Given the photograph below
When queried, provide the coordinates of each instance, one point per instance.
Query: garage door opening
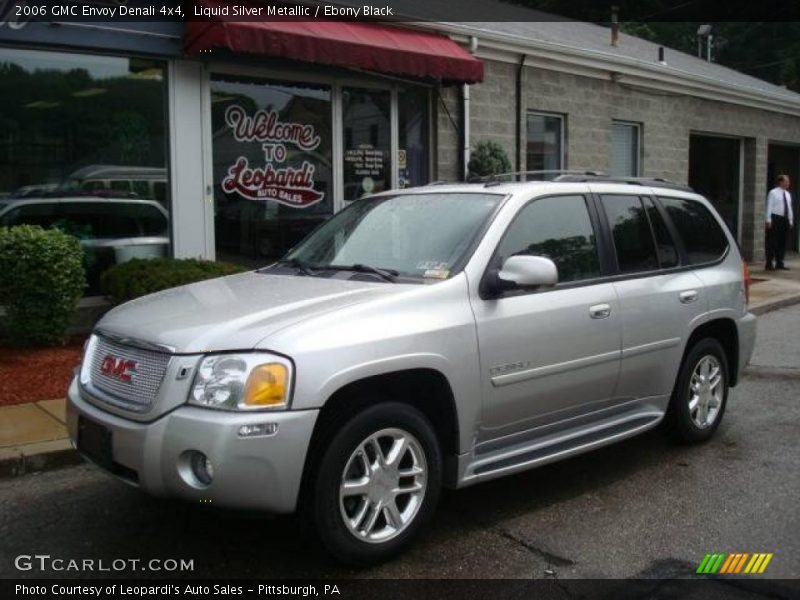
(785, 160)
(715, 170)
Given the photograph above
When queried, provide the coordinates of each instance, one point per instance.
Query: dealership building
(249, 134)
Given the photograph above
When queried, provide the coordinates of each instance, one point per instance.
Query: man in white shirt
(779, 220)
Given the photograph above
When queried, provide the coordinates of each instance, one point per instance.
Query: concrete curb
(41, 456)
(777, 304)
(44, 456)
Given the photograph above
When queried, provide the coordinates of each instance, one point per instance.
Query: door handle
(689, 296)
(600, 311)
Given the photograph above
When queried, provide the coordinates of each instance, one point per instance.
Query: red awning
(370, 46)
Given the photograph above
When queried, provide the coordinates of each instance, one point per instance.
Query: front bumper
(255, 473)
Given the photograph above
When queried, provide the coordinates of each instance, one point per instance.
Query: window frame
(602, 258)
(613, 244)
(637, 127)
(562, 140)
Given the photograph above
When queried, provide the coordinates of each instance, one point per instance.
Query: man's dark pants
(776, 240)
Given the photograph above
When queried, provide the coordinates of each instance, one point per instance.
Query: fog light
(258, 429)
(202, 468)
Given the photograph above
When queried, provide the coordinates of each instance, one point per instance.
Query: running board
(520, 457)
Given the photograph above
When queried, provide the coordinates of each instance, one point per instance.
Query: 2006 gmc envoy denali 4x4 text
(441, 335)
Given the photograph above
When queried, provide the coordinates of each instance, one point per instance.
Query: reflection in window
(700, 232)
(667, 253)
(544, 142)
(630, 228)
(558, 228)
(75, 126)
(412, 160)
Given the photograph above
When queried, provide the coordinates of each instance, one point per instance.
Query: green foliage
(139, 277)
(41, 281)
(488, 158)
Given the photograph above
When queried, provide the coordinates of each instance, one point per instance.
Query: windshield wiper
(298, 264)
(385, 274)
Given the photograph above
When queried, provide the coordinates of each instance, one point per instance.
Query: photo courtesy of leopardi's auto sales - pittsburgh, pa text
(399, 299)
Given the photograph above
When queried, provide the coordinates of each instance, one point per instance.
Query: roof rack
(545, 175)
(643, 181)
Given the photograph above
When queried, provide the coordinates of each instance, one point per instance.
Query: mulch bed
(32, 374)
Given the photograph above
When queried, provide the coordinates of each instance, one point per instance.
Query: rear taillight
(746, 281)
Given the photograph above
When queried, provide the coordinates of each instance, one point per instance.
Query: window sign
(272, 154)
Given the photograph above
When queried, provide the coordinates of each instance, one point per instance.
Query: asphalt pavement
(642, 508)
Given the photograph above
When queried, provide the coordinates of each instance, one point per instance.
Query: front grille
(140, 392)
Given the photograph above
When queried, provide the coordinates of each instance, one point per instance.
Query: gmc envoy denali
(437, 336)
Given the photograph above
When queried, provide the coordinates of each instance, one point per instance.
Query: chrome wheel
(706, 391)
(383, 485)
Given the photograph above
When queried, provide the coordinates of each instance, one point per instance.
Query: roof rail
(543, 175)
(643, 181)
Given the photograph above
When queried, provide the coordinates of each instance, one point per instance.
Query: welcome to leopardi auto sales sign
(291, 186)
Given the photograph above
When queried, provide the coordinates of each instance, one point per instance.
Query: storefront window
(412, 159)
(367, 141)
(272, 154)
(83, 148)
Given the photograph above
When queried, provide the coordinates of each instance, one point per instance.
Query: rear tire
(377, 483)
(701, 393)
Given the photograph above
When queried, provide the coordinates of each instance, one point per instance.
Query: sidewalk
(770, 290)
(33, 436)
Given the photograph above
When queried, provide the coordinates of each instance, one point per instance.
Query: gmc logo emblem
(118, 368)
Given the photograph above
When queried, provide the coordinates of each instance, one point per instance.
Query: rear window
(703, 238)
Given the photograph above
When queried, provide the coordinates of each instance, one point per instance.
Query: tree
(488, 158)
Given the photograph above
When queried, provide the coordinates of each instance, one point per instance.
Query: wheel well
(725, 332)
(427, 390)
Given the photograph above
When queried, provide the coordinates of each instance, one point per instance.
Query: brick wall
(589, 106)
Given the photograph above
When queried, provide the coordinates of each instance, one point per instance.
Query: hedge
(41, 281)
(140, 276)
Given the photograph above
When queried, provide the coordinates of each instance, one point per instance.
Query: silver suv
(438, 336)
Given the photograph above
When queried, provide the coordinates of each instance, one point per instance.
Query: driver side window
(559, 228)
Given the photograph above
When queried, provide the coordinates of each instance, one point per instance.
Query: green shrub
(139, 277)
(488, 158)
(41, 281)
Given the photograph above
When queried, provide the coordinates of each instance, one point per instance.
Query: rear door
(660, 299)
(550, 354)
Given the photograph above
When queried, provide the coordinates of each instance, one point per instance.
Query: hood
(236, 312)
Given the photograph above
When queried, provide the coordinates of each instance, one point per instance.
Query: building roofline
(553, 55)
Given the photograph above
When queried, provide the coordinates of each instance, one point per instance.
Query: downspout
(465, 139)
(520, 68)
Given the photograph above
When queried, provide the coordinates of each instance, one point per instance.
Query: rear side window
(633, 239)
(665, 245)
(702, 235)
(558, 228)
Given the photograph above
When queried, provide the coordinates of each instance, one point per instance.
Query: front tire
(377, 483)
(701, 393)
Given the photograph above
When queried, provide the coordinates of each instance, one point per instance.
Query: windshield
(416, 235)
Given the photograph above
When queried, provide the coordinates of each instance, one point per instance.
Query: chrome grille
(140, 392)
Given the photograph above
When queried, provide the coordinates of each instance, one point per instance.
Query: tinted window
(43, 215)
(665, 246)
(702, 236)
(633, 239)
(558, 228)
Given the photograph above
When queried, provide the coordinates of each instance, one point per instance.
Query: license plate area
(94, 441)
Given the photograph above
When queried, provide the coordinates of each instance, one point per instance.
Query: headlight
(86, 360)
(242, 382)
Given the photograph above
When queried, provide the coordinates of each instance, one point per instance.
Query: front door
(549, 355)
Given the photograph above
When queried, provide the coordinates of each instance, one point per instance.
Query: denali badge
(119, 368)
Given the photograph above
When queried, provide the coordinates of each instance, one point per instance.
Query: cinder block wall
(589, 106)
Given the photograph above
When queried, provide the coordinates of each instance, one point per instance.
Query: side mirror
(521, 272)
